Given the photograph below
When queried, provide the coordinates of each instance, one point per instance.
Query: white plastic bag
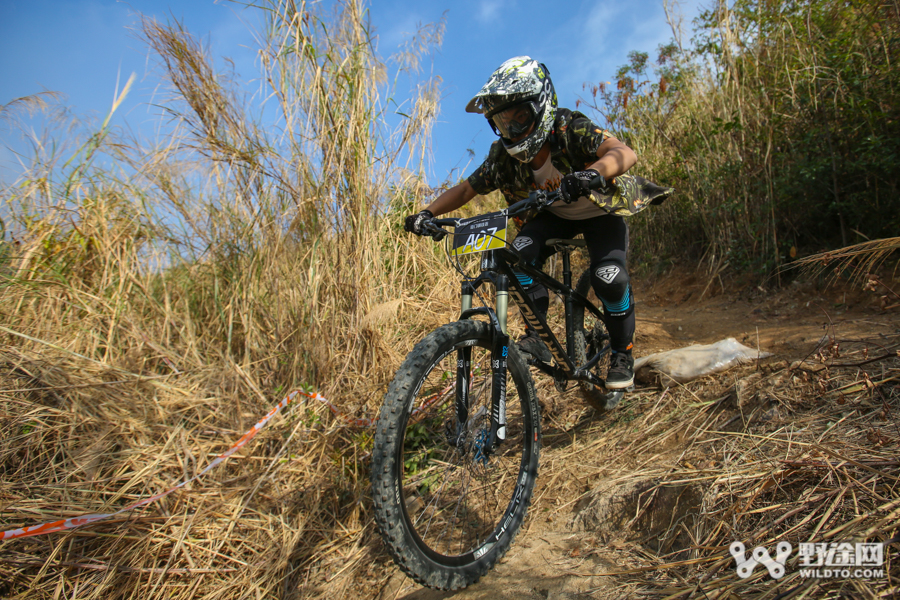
(685, 364)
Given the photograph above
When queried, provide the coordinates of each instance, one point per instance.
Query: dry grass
(853, 263)
(81, 438)
(799, 452)
(151, 312)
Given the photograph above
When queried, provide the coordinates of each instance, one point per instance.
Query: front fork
(487, 441)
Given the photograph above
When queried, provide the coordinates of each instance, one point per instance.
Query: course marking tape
(64, 524)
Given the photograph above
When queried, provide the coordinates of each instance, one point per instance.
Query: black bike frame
(497, 270)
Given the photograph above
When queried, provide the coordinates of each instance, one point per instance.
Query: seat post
(567, 265)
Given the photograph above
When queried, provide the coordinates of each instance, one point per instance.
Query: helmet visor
(514, 121)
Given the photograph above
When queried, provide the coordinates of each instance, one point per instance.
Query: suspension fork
(499, 358)
(463, 371)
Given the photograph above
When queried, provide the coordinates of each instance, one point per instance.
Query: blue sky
(85, 48)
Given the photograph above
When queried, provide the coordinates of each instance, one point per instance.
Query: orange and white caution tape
(64, 524)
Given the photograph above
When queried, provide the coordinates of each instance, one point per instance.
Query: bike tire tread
(387, 510)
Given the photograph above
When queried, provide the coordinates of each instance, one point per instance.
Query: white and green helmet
(517, 95)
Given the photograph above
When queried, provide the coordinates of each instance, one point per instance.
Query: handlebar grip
(448, 221)
(598, 183)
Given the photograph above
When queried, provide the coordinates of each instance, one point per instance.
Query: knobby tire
(445, 511)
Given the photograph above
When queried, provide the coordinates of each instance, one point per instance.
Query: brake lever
(434, 231)
(538, 199)
(548, 198)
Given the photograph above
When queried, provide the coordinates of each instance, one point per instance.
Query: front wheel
(447, 505)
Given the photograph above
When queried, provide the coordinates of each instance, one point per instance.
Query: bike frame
(496, 269)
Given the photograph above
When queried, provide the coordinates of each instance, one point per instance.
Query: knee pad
(528, 248)
(613, 287)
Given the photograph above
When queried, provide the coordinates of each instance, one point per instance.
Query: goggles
(514, 121)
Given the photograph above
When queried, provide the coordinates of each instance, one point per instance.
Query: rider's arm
(614, 158)
(452, 199)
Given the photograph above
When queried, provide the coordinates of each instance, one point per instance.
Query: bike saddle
(562, 243)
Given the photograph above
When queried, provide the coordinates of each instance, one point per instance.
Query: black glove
(417, 224)
(575, 185)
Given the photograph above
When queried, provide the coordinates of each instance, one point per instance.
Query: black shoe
(534, 346)
(620, 374)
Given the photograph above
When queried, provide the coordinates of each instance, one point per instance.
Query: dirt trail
(583, 520)
(684, 309)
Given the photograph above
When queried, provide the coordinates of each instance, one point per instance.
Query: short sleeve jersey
(573, 147)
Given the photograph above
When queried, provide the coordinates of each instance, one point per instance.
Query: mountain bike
(457, 443)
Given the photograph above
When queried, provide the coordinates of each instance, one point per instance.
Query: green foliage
(779, 122)
(420, 451)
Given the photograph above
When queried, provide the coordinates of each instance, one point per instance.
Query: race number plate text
(485, 232)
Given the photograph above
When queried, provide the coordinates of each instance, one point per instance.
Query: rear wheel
(590, 338)
(446, 508)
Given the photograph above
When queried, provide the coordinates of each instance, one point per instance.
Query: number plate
(478, 234)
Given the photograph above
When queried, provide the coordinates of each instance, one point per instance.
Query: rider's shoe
(533, 345)
(620, 374)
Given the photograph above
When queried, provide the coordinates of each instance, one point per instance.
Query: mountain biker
(545, 146)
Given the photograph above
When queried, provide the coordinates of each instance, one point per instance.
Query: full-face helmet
(519, 102)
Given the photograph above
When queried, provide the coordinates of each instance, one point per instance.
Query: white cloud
(488, 11)
(603, 38)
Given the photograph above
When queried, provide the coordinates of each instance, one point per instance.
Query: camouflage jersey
(573, 147)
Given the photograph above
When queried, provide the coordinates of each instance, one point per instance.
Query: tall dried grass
(777, 124)
(802, 452)
(155, 303)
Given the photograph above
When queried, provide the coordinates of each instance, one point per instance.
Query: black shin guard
(613, 286)
(621, 330)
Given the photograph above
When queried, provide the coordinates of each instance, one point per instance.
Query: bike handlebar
(538, 199)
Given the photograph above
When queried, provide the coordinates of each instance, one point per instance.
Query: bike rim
(458, 503)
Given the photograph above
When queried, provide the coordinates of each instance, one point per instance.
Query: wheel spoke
(434, 480)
